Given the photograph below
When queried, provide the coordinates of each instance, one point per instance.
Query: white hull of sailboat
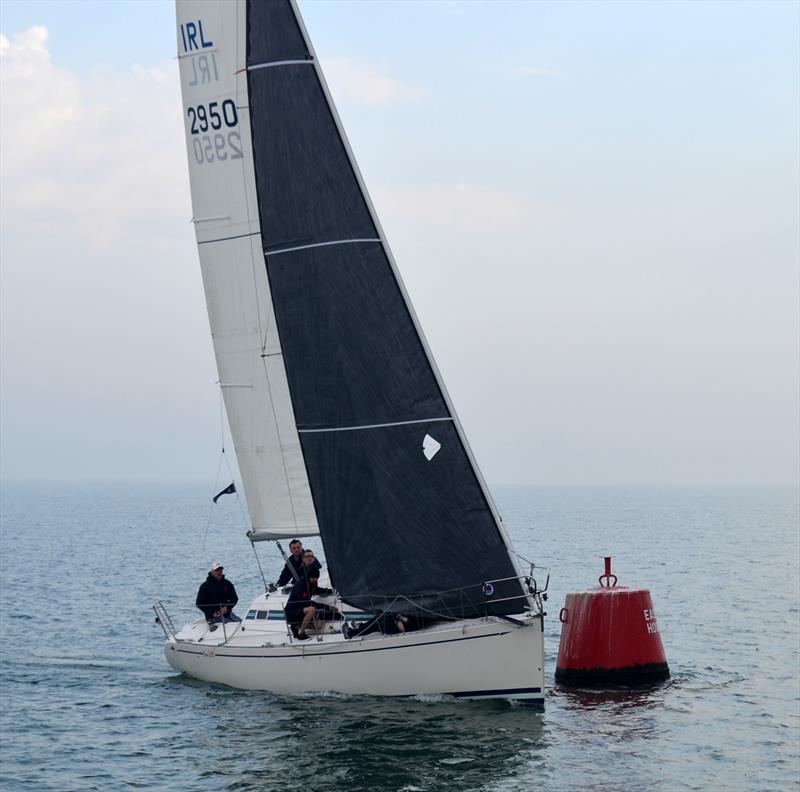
(328, 383)
(488, 658)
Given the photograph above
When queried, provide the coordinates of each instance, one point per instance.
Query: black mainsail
(365, 396)
(339, 418)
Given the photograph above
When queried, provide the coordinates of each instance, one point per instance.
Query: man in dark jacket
(300, 609)
(294, 564)
(217, 598)
(310, 562)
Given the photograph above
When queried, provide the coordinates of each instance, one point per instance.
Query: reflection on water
(620, 715)
(339, 742)
(412, 743)
(612, 699)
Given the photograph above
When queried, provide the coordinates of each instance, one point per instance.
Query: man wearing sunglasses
(310, 563)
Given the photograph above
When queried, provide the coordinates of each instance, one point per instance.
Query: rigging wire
(223, 456)
(238, 499)
(211, 506)
(221, 418)
(258, 561)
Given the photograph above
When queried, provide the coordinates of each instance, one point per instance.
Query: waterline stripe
(318, 244)
(372, 426)
(501, 692)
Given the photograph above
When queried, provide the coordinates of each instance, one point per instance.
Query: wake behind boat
(341, 423)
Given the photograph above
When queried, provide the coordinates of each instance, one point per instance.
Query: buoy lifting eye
(607, 576)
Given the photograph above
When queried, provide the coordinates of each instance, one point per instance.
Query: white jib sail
(211, 53)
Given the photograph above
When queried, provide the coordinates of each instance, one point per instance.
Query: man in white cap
(217, 598)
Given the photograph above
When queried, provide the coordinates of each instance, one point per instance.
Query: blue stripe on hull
(501, 692)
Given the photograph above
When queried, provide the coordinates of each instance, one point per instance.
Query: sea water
(89, 702)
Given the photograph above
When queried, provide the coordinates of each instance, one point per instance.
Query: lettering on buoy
(650, 619)
(610, 635)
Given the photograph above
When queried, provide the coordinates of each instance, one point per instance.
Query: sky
(594, 207)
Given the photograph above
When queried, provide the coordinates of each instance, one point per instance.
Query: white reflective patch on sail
(430, 447)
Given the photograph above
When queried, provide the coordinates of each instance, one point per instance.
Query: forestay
(309, 282)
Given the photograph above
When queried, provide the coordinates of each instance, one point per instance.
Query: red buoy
(609, 635)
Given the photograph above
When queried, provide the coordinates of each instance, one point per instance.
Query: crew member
(293, 562)
(310, 562)
(300, 610)
(217, 598)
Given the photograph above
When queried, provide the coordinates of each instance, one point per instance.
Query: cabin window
(262, 614)
(250, 614)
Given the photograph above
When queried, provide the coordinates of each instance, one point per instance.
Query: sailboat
(341, 424)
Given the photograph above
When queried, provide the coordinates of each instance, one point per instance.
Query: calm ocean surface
(88, 701)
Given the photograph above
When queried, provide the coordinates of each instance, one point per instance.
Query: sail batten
(270, 252)
(270, 64)
(372, 426)
(227, 238)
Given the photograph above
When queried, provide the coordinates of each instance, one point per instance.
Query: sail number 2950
(220, 143)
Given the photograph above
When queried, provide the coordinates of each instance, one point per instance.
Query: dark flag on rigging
(229, 490)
